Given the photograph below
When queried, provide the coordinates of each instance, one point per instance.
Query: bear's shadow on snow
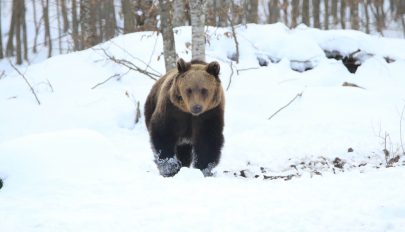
(1, 183)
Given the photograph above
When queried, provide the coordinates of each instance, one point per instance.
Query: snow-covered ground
(79, 162)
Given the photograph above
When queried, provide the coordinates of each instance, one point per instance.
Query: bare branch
(130, 65)
(103, 82)
(234, 38)
(230, 76)
(245, 69)
(26, 81)
(296, 96)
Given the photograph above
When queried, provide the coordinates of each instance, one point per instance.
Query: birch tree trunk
(326, 18)
(166, 29)
(178, 13)
(197, 14)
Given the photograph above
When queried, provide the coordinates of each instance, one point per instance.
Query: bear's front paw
(168, 166)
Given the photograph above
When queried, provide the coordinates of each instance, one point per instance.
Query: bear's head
(196, 87)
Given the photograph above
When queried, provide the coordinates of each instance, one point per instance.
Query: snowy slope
(79, 162)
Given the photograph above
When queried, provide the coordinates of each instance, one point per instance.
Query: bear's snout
(196, 109)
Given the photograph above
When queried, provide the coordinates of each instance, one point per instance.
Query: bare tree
(88, 24)
(343, 14)
(252, 14)
(295, 12)
(334, 10)
(129, 17)
(64, 16)
(326, 17)
(305, 12)
(210, 19)
(366, 8)
(274, 11)
(75, 27)
(178, 13)
(166, 28)
(354, 14)
(316, 4)
(48, 40)
(197, 14)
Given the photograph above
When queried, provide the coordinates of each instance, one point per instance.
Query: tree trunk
(335, 12)
(295, 13)
(59, 26)
(64, 16)
(166, 29)
(326, 17)
(10, 44)
(197, 13)
(211, 13)
(366, 7)
(285, 11)
(354, 14)
(45, 8)
(305, 12)
(88, 23)
(37, 27)
(274, 11)
(316, 13)
(178, 13)
(110, 22)
(17, 26)
(223, 8)
(252, 13)
(24, 30)
(75, 28)
(129, 18)
(343, 14)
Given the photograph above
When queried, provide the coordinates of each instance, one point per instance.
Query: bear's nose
(196, 109)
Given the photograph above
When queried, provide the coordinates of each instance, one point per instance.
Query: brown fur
(170, 118)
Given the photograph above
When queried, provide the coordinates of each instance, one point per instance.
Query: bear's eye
(189, 91)
(204, 91)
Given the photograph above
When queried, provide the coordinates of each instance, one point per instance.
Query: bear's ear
(213, 68)
(182, 66)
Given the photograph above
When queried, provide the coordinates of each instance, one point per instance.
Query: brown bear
(184, 114)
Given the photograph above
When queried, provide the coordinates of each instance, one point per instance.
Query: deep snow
(79, 162)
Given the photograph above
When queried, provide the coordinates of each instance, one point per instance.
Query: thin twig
(103, 82)
(133, 57)
(245, 69)
(26, 81)
(296, 96)
(230, 76)
(131, 66)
